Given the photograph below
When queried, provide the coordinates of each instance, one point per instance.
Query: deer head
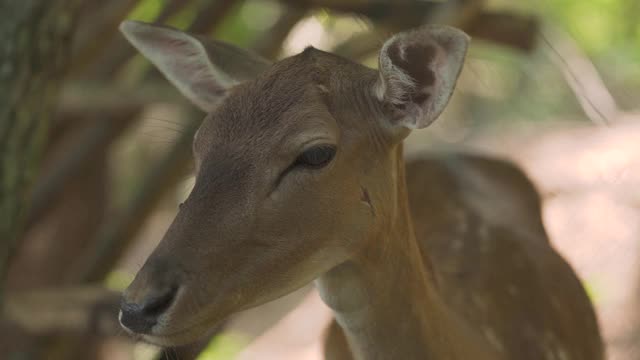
(297, 169)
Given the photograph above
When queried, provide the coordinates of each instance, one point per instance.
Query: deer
(301, 178)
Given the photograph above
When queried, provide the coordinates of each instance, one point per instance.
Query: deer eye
(316, 157)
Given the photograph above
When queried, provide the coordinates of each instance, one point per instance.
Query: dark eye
(316, 157)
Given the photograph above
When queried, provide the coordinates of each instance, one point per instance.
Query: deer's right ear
(201, 69)
(418, 72)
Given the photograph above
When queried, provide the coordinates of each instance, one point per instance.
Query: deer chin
(177, 339)
(184, 325)
(184, 336)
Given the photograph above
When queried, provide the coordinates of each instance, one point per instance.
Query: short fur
(447, 259)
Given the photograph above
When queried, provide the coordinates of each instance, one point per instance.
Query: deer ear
(202, 69)
(418, 72)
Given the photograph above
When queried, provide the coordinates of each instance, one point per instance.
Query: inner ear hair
(418, 71)
(411, 72)
(202, 69)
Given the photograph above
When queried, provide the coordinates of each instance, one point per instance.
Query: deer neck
(386, 301)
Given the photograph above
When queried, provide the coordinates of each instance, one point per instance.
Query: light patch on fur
(343, 291)
(457, 245)
(492, 338)
(480, 302)
(556, 303)
(462, 221)
(563, 354)
(323, 89)
(553, 348)
(484, 231)
(485, 240)
(120, 318)
(196, 134)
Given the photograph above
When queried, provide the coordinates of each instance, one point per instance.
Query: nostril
(140, 318)
(158, 304)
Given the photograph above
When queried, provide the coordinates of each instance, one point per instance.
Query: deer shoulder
(493, 260)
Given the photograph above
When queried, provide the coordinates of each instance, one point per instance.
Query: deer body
(492, 265)
(301, 176)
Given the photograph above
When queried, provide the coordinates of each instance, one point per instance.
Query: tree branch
(116, 234)
(511, 30)
(73, 310)
(34, 58)
(506, 29)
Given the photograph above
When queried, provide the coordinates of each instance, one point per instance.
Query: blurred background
(95, 152)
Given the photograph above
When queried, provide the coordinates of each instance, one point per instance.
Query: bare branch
(34, 59)
(115, 235)
(582, 76)
(92, 139)
(91, 98)
(511, 30)
(506, 29)
(211, 15)
(97, 26)
(75, 310)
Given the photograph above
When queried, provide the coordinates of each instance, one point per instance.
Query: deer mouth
(180, 337)
(176, 329)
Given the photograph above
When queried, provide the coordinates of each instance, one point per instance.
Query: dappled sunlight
(322, 31)
(308, 32)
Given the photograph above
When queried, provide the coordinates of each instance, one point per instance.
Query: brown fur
(504, 278)
(462, 271)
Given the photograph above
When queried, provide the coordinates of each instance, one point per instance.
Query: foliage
(224, 346)
(600, 26)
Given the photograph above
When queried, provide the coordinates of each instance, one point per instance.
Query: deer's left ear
(202, 69)
(418, 72)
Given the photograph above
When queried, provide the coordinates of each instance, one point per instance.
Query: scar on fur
(364, 197)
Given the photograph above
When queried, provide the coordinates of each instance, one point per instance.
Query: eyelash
(300, 162)
(309, 158)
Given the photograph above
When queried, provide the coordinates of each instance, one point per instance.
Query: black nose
(140, 317)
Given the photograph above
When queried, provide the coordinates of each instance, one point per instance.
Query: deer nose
(140, 317)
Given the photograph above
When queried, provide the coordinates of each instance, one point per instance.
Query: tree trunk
(34, 43)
